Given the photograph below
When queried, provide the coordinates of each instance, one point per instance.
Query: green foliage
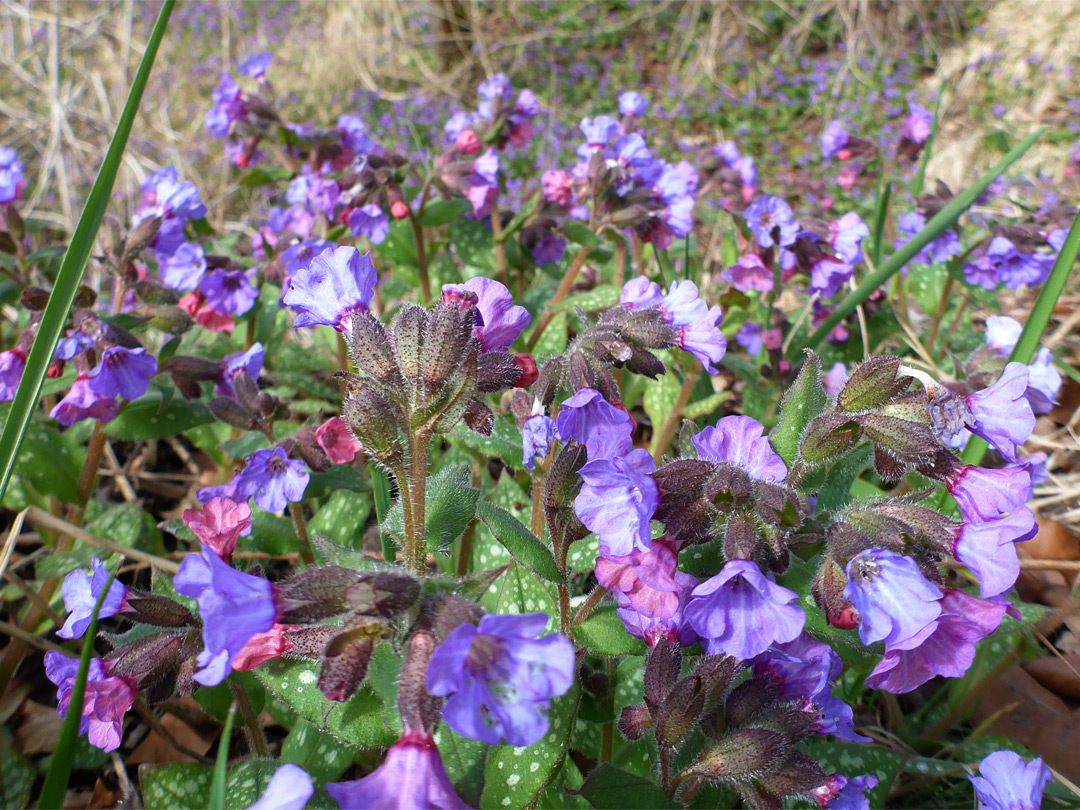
(176, 786)
(603, 634)
(342, 518)
(504, 442)
(803, 401)
(155, 417)
(317, 752)
(522, 544)
(609, 788)
(450, 507)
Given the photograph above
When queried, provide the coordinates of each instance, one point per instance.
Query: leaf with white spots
(522, 544)
(515, 777)
(518, 591)
(464, 762)
(175, 786)
(317, 752)
(854, 759)
(342, 518)
(146, 419)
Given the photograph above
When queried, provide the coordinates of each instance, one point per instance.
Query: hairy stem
(253, 731)
(296, 512)
(589, 605)
(421, 256)
(417, 492)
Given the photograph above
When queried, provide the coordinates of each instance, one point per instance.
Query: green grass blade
(881, 213)
(1037, 322)
(71, 270)
(59, 773)
(916, 187)
(934, 228)
(221, 765)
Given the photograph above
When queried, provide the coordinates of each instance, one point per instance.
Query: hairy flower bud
(408, 333)
(828, 591)
(232, 413)
(904, 440)
(634, 721)
(160, 611)
(143, 234)
(741, 538)
(681, 709)
(827, 436)
(382, 593)
(315, 594)
(309, 642)
(799, 776)
(662, 668)
(344, 664)
(742, 755)
(374, 420)
(749, 699)
(372, 352)
(34, 298)
(149, 659)
(169, 319)
(872, 383)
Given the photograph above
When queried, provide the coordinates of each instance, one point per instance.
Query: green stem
(254, 733)
(415, 545)
(296, 512)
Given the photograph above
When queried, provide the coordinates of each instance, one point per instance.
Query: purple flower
(767, 214)
(290, 788)
(941, 249)
(984, 494)
(164, 194)
(549, 249)
(497, 88)
(354, 134)
(500, 321)
(537, 435)
(250, 361)
(1006, 782)
(1044, 383)
(749, 337)
(892, 597)
(650, 625)
(833, 139)
(370, 221)
(632, 103)
(591, 420)
(738, 440)
(256, 65)
(1001, 414)
(750, 273)
(704, 340)
(917, 123)
(849, 793)
(740, 612)
(411, 777)
(598, 131)
(272, 479)
(234, 607)
(617, 500)
(12, 366)
(946, 646)
(650, 591)
(81, 591)
(846, 236)
(319, 194)
(834, 379)
(82, 402)
(500, 677)
(828, 276)
(640, 293)
(1002, 333)
(338, 282)
(228, 292)
(184, 268)
(988, 549)
(105, 702)
(228, 107)
(457, 122)
(126, 372)
(12, 178)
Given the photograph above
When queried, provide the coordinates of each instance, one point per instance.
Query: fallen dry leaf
(1059, 675)
(39, 729)
(156, 748)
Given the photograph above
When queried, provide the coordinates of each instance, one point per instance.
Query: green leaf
(51, 326)
(841, 475)
(523, 545)
(464, 762)
(603, 297)
(245, 445)
(60, 476)
(474, 244)
(338, 477)
(609, 788)
(317, 752)
(515, 777)
(358, 721)
(176, 786)
(941, 221)
(450, 505)
(330, 553)
(519, 591)
(703, 407)
(254, 178)
(603, 633)
(443, 212)
(342, 518)
(881, 214)
(553, 341)
(514, 225)
(580, 234)
(804, 400)
(661, 397)
(504, 442)
(129, 525)
(855, 759)
(16, 780)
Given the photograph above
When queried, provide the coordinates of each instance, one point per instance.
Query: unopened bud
(679, 712)
(374, 420)
(746, 754)
(888, 466)
(194, 368)
(169, 319)
(314, 594)
(142, 236)
(446, 612)
(904, 440)
(662, 668)
(371, 350)
(153, 293)
(828, 587)
(85, 298)
(799, 776)
(448, 333)
(741, 538)
(148, 659)
(497, 371)
(382, 593)
(728, 485)
(232, 413)
(310, 642)
(845, 540)
(634, 721)
(527, 367)
(344, 664)
(34, 298)
(408, 335)
(872, 383)
(399, 209)
(15, 225)
(160, 611)
(468, 142)
(827, 436)
(749, 699)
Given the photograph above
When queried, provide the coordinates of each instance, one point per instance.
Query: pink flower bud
(468, 142)
(399, 210)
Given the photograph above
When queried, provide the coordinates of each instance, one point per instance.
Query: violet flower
(834, 379)
(370, 221)
(1006, 782)
(750, 273)
(989, 549)
(1044, 383)
(617, 500)
(984, 494)
(411, 777)
(353, 133)
(81, 591)
(632, 103)
(250, 361)
(749, 337)
(549, 250)
(82, 402)
(499, 677)
(500, 321)
(290, 788)
(704, 340)
(538, 434)
(768, 213)
(234, 607)
(272, 479)
(833, 140)
(828, 276)
(640, 293)
(597, 131)
(337, 283)
(228, 107)
(739, 440)
(740, 612)
(946, 646)
(1001, 413)
(106, 700)
(893, 599)
(122, 371)
(846, 236)
(12, 178)
(184, 268)
(256, 65)
(228, 291)
(12, 366)
(165, 195)
(1002, 333)
(591, 420)
(940, 250)
(848, 792)
(917, 124)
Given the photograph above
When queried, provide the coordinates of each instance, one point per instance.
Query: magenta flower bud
(984, 494)
(337, 441)
(234, 607)
(338, 282)
(1006, 782)
(894, 600)
(843, 793)
(989, 549)
(468, 142)
(740, 612)
(617, 500)
(290, 788)
(557, 187)
(106, 701)
(500, 677)
(739, 440)
(220, 525)
(81, 591)
(412, 776)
